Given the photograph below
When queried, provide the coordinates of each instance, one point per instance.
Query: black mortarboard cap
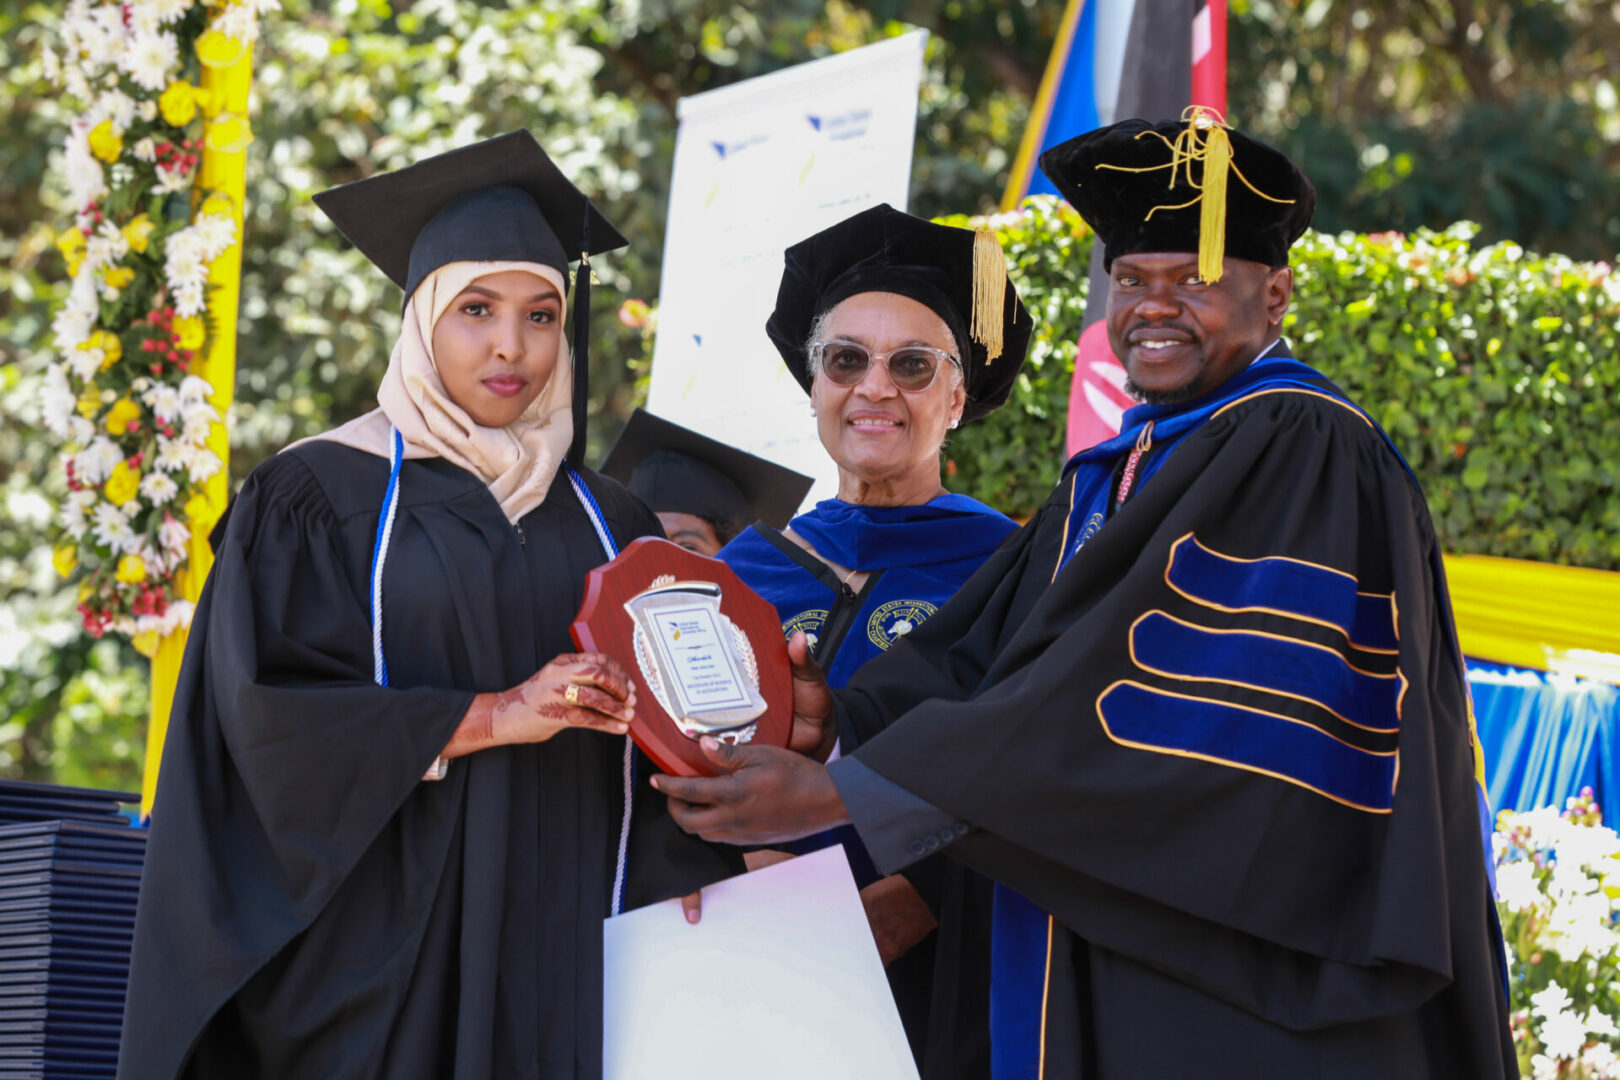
(1142, 187)
(675, 470)
(959, 273)
(500, 200)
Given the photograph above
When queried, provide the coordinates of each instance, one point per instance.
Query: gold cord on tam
(1204, 140)
(989, 291)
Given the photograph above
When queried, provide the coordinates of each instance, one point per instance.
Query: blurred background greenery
(1503, 112)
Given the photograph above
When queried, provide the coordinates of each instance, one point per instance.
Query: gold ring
(571, 695)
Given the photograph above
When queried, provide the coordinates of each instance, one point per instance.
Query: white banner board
(780, 979)
(760, 166)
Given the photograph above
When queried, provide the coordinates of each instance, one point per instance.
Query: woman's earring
(955, 420)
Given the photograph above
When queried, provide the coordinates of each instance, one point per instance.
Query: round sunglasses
(911, 368)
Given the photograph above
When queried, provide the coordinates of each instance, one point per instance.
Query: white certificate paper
(781, 978)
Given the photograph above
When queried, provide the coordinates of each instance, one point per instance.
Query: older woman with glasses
(900, 330)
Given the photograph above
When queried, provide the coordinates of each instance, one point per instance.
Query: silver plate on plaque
(697, 663)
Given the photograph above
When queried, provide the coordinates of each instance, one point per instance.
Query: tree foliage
(1494, 370)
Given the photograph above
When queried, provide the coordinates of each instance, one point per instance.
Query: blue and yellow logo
(808, 621)
(896, 619)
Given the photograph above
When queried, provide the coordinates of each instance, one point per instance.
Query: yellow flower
(217, 50)
(190, 332)
(146, 643)
(86, 591)
(89, 401)
(106, 141)
(112, 350)
(122, 485)
(120, 416)
(65, 559)
(138, 234)
(179, 103)
(71, 244)
(119, 277)
(131, 570)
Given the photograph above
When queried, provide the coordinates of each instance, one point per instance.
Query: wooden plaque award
(704, 651)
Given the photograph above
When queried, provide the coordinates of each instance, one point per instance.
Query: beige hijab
(518, 462)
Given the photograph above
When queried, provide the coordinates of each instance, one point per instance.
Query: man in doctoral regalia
(1204, 718)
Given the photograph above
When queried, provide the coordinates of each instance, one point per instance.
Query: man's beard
(1194, 387)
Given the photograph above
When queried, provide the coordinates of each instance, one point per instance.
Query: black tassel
(582, 337)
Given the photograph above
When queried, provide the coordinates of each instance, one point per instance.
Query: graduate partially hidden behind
(1204, 719)
(393, 597)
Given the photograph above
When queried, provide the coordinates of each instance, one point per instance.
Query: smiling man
(1204, 718)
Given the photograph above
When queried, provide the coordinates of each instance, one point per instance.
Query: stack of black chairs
(70, 869)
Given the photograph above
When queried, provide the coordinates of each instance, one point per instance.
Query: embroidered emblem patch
(809, 621)
(896, 619)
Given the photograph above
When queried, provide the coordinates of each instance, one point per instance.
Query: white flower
(148, 110)
(215, 233)
(52, 65)
(112, 527)
(174, 535)
(80, 430)
(1563, 1036)
(114, 105)
(194, 391)
(1543, 1067)
(238, 21)
(1600, 1023)
(1516, 885)
(95, 463)
(172, 180)
(73, 512)
(1600, 1061)
(157, 488)
(172, 455)
(190, 298)
(85, 179)
(149, 59)
(56, 400)
(85, 363)
(1550, 1001)
(144, 149)
(204, 463)
(164, 401)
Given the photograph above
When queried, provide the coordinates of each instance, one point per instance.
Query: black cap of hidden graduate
(499, 200)
(1188, 185)
(675, 470)
(959, 273)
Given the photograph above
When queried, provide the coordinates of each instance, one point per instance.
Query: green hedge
(1496, 371)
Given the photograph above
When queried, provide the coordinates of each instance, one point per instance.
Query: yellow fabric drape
(1537, 615)
(222, 178)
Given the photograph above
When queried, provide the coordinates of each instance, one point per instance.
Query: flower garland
(1558, 888)
(134, 419)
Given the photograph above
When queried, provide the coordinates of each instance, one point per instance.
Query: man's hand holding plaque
(704, 652)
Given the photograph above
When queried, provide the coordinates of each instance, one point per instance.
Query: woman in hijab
(395, 805)
(899, 330)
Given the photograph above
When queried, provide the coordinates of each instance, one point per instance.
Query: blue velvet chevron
(1283, 586)
(1244, 738)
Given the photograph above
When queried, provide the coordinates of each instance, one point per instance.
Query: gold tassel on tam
(989, 291)
(1205, 142)
(1212, 211)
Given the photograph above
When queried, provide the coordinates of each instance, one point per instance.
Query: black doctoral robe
(311, 907)
(1215, 911)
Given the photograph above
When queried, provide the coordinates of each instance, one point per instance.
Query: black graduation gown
(1214, 919)
(311, 907)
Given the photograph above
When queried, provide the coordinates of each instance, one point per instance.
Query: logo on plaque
(697, 663)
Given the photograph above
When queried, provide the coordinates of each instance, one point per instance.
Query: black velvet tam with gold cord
(1146, 188)
(961, 274)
